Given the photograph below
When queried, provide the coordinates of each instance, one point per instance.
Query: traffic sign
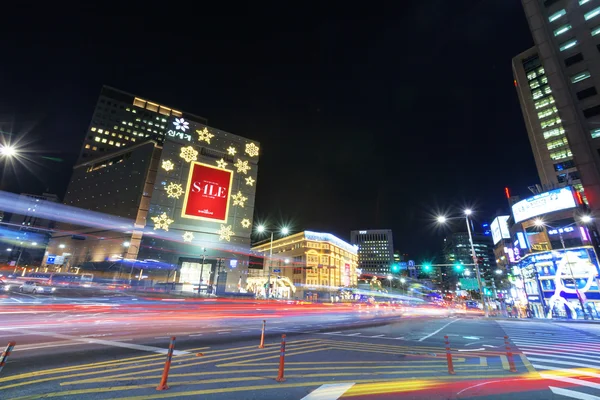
(411, 264)
(402, 265)
(277, 270)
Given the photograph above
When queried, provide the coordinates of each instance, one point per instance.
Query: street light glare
(538, 222)
(260, 228)
(586, 219)
(285, 230)
(468, 211)
(126, 244)
(390, 277)
(8, 151)
(441, 219)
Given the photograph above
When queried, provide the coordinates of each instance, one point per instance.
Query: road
(114, 347)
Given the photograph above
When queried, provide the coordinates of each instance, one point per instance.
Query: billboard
(543, 203)
(207, 194)
(499, 227)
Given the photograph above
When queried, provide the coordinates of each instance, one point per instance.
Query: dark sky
(370, 122)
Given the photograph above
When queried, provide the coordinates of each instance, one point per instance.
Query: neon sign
(543, 203)
(561, 230)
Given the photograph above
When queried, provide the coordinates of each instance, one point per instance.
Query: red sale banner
(207, 195)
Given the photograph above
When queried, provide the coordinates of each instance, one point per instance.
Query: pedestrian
(509, 310)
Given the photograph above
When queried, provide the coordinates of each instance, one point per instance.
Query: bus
(60, 278)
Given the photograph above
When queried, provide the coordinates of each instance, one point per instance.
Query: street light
(262, 229)
(8, 151)
(467, 212)
(390, 277)
(62, 246)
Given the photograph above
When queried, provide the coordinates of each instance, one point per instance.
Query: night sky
(364, 123)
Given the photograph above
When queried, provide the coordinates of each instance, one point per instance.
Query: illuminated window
(130, 124)
(94, 148)
(122, 129)
(537, 94)
(120, 136)
(163, 120)
(133, 111)
(595, 133)
(531, 75)
(547, 112)
(534, 84)
(561, 154)
(100, 130)
(124, 122)
(97, 139)
(544, 102)
(152, 106)
(126, 137)
(582, 2)
(111, 142)
(557, 15)
(87, 146)
(118, 144)
(176, 113)
(164, 110)
(557, 143)
(580, 76)
(116, 127)
(93, 129)
(128, 109)
(133, 139)
(103, 140)
(139, 102)
(554, 132)
(550, 122)
(568, 44)
(150, 123)
(562, 29)
(596, 30)
(547, 90)
(591, 14)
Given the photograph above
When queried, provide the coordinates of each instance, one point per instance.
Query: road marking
(489, 345)
(331, 333)
(557, 356)
(573, 394)
(439, 330)
(223, 333)
(328, 392)
(471, 337)
(479, 349)
(354, 334)
(399, 338)
(197, 334)
(572, 381)
(375, 336)
(553, 361)
(17, 300)
(574, 372)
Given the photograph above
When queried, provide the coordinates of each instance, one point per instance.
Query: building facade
(306, 265)
(177, 207)
(375, 250)
(557, 82)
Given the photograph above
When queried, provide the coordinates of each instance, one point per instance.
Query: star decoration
(231, 151)
(162, 222)
(221, 163)
(168, 165)
(245, 223)
(188, 236)
(182, 124)
(204, 135)
(225, 232)
(252, 149)
(242, 166)
(250, 181)
(188, 154)
(239, 199)
(174, 190)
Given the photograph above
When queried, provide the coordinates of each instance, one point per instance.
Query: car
(35, 288)
(4, 287)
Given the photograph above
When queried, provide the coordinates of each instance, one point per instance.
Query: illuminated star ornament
(221, 163)
(239, 199)
(182, 124)
(252, 149)
(188, 236)
(250, 181)
(231, 151)
(245, 223)
(225, 233)
(204, 135)
(174, 190)
(162, 222)
(168, 165)
(242, 166)
(188, 154)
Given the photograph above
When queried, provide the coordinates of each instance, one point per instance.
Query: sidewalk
(575, 321)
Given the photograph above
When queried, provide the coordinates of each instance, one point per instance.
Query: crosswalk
(568, 358)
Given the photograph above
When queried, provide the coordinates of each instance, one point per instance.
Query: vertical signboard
(207, 194)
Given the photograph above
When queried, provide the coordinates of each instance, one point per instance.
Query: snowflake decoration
(182, 124)
(239, 199)
(231, 151)
(252, 149)
(242, 166)
(225, 232)
(188, 236)
(245, 223)
(162, 222)
(174, 190)
(204, 135)
(188, 154)
(168, 165)
(221, 163)
(250, 181)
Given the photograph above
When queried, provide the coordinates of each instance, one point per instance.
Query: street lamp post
(390, 277)
(284, 231)
(127, 245)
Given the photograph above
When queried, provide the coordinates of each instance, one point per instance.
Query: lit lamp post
(585, 219)
(442, 220)
(127, 245)
(390, 277)
(283, 231)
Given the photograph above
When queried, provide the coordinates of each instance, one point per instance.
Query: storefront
(561, 283)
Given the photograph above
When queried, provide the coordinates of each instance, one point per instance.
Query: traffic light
(458, 267)
(480, 260)
(395, 268)
(426, 267)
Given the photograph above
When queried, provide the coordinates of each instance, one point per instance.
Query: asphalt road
(106, 348)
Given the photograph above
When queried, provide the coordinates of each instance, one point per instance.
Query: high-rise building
(457, 250)
(176, 204)
(375, 250)
(122, 119)
(557, 82)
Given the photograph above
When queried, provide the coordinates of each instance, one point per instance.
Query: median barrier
(280, 377)
(262, 336)
(6, 353)
(163, 381)
(449, 356)
(509, 355)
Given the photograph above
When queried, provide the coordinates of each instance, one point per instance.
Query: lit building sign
(327, 237)
(543, 203)
(499, 227)
(568, 229)
(521, 240)
(207, 194)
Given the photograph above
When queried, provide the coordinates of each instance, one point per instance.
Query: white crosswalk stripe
(561, 354)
